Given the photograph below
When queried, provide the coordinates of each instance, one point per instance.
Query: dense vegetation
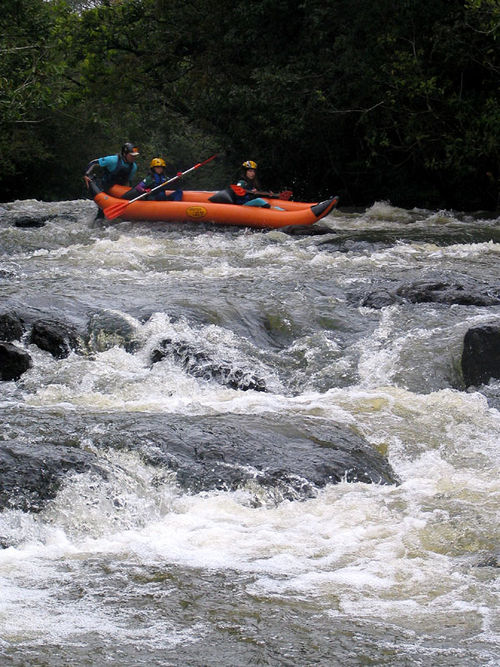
(393, 99)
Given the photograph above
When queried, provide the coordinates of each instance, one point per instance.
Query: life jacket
(120, 174)
(158, 180)
(229, 196)
(243, 199)
(153, 180)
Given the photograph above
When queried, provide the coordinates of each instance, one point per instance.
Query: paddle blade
(286, 194)
(115, 210)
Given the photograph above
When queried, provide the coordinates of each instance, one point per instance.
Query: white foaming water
(424, 357)
(408, 564)
(384, 544)
(116, 380)
(354, 542)
(384, 211)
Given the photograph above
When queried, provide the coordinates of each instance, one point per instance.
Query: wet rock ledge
(273, 458)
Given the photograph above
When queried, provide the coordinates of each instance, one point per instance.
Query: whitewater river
(125, 566)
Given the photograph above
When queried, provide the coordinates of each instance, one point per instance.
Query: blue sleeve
(110, 162)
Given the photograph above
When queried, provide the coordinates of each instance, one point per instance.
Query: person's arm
(144, 185)
(87, 177)
(109, 162)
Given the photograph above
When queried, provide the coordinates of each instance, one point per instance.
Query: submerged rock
(293, 457)
(13, 361)
(199, 364)
(32, 474)
(270, 457)
(449, 293)
(305, 230)
(11, 327)
(107, 329)
(27, 221)
(433, 291)
(55, 337)
(481, 355)
(380, 298)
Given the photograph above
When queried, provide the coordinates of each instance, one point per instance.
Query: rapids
(124, 567)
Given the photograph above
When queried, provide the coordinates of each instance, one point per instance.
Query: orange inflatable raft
(196, 207)
(204, 196)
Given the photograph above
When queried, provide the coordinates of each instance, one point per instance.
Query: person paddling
(247, 190)
(118, 169)
(249, 182)
(155, 178)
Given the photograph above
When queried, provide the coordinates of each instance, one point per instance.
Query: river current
(128, 569)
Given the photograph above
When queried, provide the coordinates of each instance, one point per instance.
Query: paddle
(241, 192)
(116, 209)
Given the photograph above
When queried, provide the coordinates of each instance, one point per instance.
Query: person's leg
(132, 193)
(176, 195)
(262, 203)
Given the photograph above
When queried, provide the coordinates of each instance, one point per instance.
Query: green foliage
(396, 99)
(28, 82)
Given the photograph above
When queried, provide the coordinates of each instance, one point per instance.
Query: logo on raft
(196, 211)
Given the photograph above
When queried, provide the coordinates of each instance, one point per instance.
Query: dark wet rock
(293, 457)
(11, 327)
(55, 337)
(481, 355)
(13, 361)
(35, 221)
(305, 230)
(27, 221)
(426, 291)
(450, 293)
(271, 457)
(107, 329)
(489, 561)
(32, 474)
(199, 364)
(378, 299)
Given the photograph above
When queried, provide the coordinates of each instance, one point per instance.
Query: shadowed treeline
(394, 99)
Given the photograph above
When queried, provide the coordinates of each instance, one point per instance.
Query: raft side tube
(324, 207)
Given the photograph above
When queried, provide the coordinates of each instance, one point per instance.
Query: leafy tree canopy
(397, 99)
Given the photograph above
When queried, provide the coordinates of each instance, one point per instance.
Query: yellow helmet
(157, 162)
(249, 164)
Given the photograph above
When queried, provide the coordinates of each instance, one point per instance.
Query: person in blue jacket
(155, 177)
(118, 169)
